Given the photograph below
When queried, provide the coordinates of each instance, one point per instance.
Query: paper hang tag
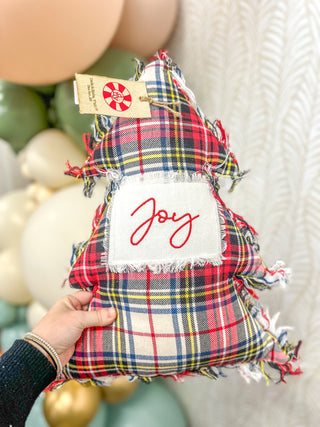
(111, 97)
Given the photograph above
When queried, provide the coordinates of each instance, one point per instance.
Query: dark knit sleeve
(24, 373)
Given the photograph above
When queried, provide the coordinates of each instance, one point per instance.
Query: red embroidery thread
(162, 216)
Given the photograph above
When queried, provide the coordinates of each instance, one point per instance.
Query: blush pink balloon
(145, 25)
(45, 42)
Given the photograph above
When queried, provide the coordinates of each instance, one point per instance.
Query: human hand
(63, 324)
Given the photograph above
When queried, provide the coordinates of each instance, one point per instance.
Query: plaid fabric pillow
(166, 252)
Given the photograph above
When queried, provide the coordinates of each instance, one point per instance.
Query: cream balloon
(15, 209)
(58, 223)
(35, 312)
(38, 192)
(145, 25)
(12, 285)
(45, 42)
(10, 174)
(44, 158)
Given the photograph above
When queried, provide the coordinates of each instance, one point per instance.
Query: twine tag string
(162, 104)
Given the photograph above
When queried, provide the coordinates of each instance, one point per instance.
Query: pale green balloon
(12, 333)
(151, 405)
(36, 416)
(102, 416)
(8, 314)
(22, 314)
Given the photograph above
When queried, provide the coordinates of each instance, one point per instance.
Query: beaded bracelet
(47, 348)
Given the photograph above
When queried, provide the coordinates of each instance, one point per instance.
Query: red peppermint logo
(117, 96)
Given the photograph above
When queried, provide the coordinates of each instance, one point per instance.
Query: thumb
(101, 317)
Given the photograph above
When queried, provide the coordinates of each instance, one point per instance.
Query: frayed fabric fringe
(276, 276)
(79, 173)
(272, 372)
(237, 179)
(268, 369)
(166, 267)
(256, 370)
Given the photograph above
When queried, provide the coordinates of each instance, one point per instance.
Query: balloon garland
(50, 131)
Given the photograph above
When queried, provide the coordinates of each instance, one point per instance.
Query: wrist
(37, 346)
(46, 349)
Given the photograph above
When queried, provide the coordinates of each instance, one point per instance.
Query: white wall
(256, 66)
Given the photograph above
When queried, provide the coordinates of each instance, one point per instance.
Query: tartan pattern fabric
(169, 323)
(168, 329)
(179, 144)
(197, 319)
(164, 143)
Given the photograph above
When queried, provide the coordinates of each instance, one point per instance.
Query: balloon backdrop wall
(42, 211)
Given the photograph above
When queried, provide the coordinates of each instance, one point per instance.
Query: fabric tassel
(276, 276)
(274, 372)
(269, 369)
(237, 179)
(139, 69)
(79, 173)
(74, 171)
(89, 143)
(89, 184)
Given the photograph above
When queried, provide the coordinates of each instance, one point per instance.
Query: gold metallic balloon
(72, 405)
(119, 390)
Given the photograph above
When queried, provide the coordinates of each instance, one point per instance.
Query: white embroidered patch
(163, 226)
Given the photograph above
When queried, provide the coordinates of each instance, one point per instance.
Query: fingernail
(111, 311)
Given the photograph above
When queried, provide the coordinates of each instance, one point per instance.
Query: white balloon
(38, 192)
(10, 173)
(35, 313)
(44, 158)
(58, 223)
(12, 285)
(15, 209)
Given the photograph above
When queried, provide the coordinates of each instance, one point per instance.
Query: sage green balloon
(115, 63)
(45, 90)
(151, 405)
(22, 114)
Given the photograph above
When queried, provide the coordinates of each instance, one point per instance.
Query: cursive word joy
(182, 233)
